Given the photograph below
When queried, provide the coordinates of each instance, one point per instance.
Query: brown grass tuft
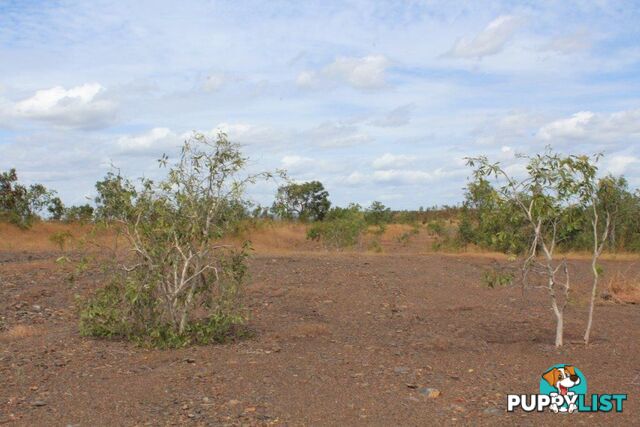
(18, 332)
(623, 289)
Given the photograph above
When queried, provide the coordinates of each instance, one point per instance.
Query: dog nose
(574, 378)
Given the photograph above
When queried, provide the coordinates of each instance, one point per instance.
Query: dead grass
(268, 237)
(623, 288)
(19, 332)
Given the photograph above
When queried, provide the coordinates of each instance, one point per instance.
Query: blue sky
(378, 100)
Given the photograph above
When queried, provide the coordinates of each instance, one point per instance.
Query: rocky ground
(340, 339)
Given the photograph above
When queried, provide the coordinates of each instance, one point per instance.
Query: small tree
(547, 197)
(79, 213)
(305, 201)
(115, 197)
(56, 209)
(182, 283)
(20, 204)
(378, 214)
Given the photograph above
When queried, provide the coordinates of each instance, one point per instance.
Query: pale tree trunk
(559, 323)
(597, 250)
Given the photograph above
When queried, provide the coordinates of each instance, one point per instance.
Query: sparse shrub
(181, 285)
(19, 204)
(81, 213)
(375, 246)
(497, 278)
(378, 214)
(406, 235)
(342, 228)
(59, 238)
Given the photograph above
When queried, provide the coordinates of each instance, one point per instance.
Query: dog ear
(551, 376)
(570, 369)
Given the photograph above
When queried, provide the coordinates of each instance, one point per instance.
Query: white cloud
(391, 161)
(156, 138)
(618, 165)
(600, 127)
(336, 134)
(397, 177)
(489, 41)
(397, 117)
(363, 73)
(295, 164)
(82, 107)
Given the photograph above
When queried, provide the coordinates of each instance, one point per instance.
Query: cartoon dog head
(562, 378)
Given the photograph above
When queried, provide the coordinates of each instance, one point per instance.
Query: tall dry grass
(624, 288)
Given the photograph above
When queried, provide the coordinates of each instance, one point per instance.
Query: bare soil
(339, 339)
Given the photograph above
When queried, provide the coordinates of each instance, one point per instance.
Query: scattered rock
(431, 393)
(38, 403)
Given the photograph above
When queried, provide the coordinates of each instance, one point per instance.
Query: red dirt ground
(340, 339)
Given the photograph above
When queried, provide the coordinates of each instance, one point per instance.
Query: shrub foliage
(180, 284)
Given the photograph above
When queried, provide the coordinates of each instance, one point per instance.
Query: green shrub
(494, 278)
(181, 286)
(342, 228)
(59, 238)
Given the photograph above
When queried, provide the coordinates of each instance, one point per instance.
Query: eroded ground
(348, 339)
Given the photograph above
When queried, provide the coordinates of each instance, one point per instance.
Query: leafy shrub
(342, 228)
(20, 204)
(494, 278)
(378, 214)
(59, 238)
(182, 286)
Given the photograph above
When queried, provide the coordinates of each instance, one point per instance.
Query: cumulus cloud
(336, 134)
(599, 127)
(81, 107)
(295, 164)
(618, 165)
(395, 118)
(391, 161)
(397, 176)
(489, 41)
(365, 73)
(154, 139)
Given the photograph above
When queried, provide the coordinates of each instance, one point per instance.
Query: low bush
(342, 228)
(180, 285)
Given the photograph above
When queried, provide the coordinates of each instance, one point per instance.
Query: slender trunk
(559, 322)
(597, 250)
(594, 289)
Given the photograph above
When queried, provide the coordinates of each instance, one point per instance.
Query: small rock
(36, 307)
(190, 360)
(38, 403)
(401, 370)
(458, 408)
(410, 385)
(233, 402)
(205, 399)
(431, 393)
(493, 411)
